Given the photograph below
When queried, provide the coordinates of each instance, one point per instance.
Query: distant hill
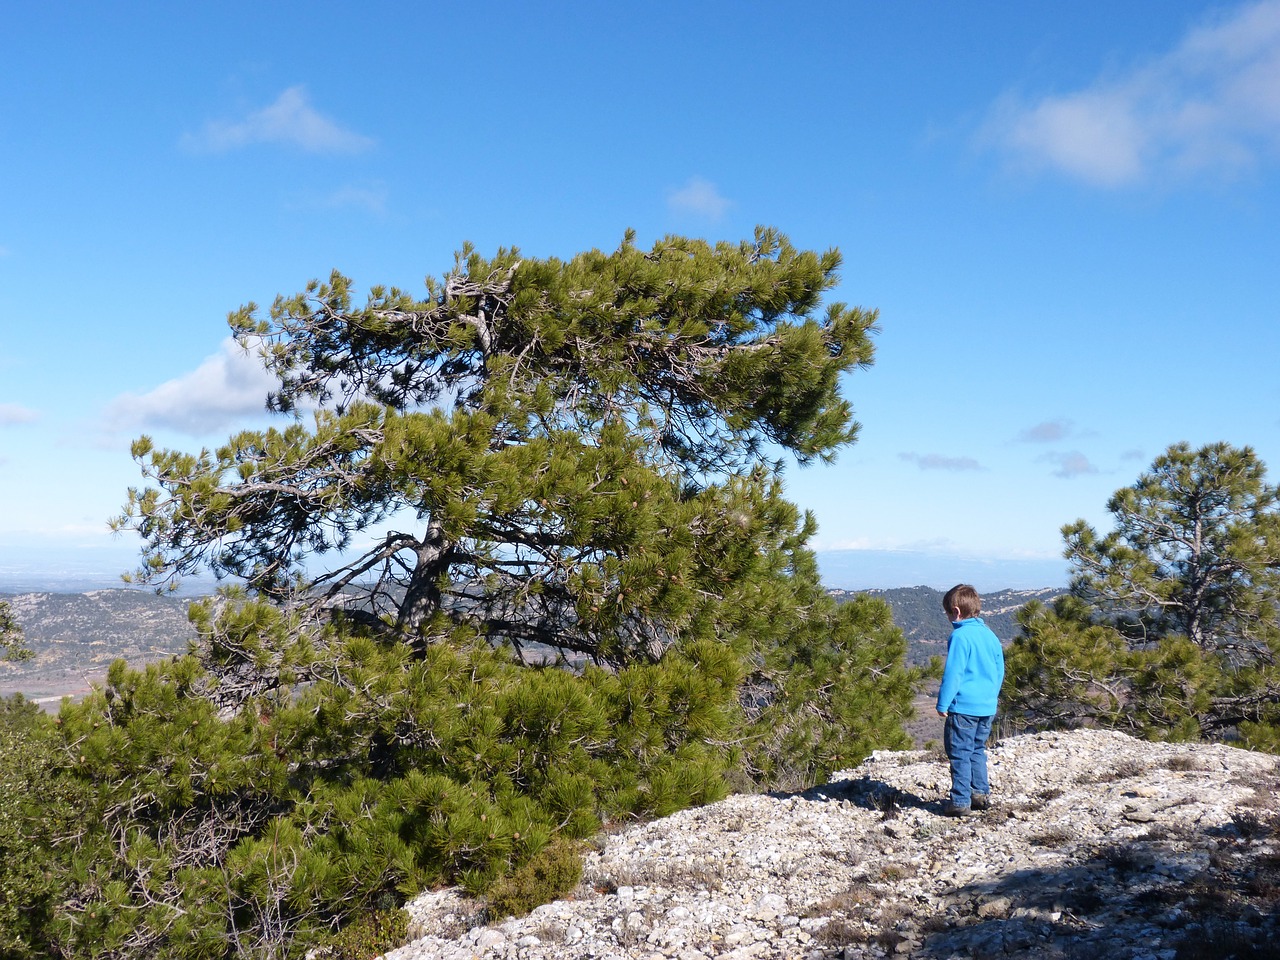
(918, 611)
(76, 636)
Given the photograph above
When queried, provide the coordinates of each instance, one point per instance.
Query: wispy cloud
(700, 197)
(291, 120)
(370, 197)
(935, 461)
(1048, 431)
(1209, 106)
(12, 414)
(224, 389)
(1070, 464)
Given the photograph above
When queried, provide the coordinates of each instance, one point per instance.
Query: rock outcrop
(1097, 845)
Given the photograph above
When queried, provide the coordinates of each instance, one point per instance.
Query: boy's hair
(964, 598)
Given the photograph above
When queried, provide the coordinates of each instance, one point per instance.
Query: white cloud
(1209, 106)
(290, 120)
(227, 387)
(12, 413)
(936, 461)
(1046, 432)
(1070, 464)
(700, 197)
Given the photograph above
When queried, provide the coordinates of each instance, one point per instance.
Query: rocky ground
(1098, 846)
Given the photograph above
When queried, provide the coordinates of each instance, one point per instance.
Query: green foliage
(585, 597)
(1060, 671)
(200, 839)
(11, 646)
(1172, 628)
(1195, 551)
(370, 935)
(553, 873)
(834, 688)
(213, 833)
(37, 806)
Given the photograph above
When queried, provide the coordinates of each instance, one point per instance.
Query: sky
(1065, 215)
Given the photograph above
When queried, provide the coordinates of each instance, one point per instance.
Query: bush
(370, 935)
(206, 817)
(549, 875)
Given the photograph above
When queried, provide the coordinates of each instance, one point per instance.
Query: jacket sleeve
(957, 651)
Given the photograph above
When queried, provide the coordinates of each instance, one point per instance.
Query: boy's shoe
(950, 809)
(981, 801)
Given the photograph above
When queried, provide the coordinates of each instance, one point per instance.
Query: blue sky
(1065, 213)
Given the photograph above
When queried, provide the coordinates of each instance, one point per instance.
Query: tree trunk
(422, 597)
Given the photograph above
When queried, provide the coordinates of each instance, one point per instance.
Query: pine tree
(37, 808)
(1173, 622)
(565, 587)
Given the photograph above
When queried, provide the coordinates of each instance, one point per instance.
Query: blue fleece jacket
(974, 672)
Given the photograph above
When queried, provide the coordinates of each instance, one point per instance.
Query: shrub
(550, 874)
(370, 935)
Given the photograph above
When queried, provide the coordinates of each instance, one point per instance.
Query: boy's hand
(941, 713)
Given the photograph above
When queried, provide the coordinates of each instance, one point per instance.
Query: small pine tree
(1172, 627)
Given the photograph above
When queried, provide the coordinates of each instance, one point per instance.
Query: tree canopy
(571, 453)
(1173, 620)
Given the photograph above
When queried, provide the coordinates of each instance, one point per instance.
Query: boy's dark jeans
(965, 740)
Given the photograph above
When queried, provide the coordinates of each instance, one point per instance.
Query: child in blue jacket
(967, 699)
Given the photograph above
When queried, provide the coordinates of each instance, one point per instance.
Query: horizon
(852, 570)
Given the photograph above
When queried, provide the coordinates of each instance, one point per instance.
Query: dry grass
(704, 874)
(894, 872)
(1124, 770)
(550, 932)
(840, 932)
(846, 901)
(888, 802)
(1055, 836)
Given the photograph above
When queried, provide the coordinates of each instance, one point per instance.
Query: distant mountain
(918, 612)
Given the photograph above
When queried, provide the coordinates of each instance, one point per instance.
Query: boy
(967, 699)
